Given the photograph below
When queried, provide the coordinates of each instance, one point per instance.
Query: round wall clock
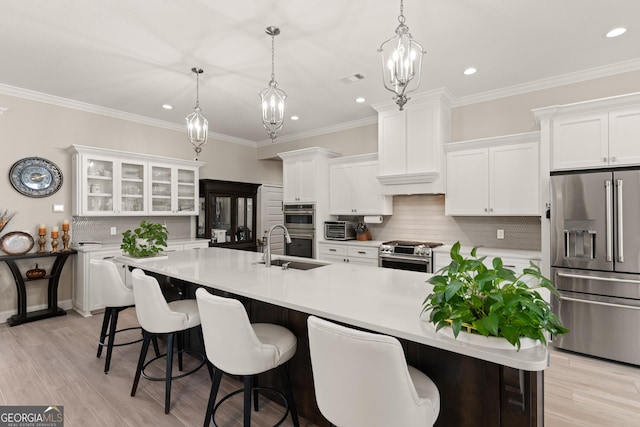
(35, 177)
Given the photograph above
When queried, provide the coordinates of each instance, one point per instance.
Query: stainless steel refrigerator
(595, 260)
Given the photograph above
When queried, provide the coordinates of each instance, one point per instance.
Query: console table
(53, 277)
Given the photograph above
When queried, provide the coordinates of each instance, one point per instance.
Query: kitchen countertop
(384, 300)
(354, 242)
(112, 246)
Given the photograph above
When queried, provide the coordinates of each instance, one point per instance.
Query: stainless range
(403, 255)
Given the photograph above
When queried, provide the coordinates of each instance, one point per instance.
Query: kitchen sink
(294, 265)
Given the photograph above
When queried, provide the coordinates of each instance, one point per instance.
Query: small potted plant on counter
(493, 302)
(147, 240)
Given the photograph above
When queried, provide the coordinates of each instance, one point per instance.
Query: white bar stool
(157, 317)
(116, 296)
(362, 379)
(237, 347)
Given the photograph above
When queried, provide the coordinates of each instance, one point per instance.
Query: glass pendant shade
(197, 124)
(272, 98)
(401, 62)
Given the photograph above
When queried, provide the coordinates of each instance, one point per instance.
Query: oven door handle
(301, 236)
(606, 304)
(408, 259)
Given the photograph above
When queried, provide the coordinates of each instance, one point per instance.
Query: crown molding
(322, 131)
(551, 82)
(109, 112)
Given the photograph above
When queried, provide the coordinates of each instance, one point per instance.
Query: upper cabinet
(494, 176)
(305, 174)
(594, 134)
(410, 144)
(109, 182)
(354, 188)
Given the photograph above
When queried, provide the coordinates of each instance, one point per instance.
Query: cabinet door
(514, 180)
(161, 178)
(186, 191)
(299, 179)
(98, 188)
(341, 185)
(367, 192)
(132, 188)
(392, 142)
(624, 137)
(467, 182)
(290, 181)
(580, 141)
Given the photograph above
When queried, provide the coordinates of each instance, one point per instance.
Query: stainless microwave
(339, 230)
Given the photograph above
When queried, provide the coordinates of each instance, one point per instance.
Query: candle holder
(41, 241)
(54, 244)
(65, 240)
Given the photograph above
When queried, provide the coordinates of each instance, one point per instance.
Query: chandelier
(401, 62)
(197, 124)
(272, 98)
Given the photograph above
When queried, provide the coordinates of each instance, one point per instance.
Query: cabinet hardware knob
(604, 159)
(613, 158)
(485, 209)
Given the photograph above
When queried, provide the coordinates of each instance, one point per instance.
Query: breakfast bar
(479, 386)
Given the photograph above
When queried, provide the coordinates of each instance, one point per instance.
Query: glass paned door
(221, 221)
(160, 189)
(186, 190)
(100, 188)
(244, 219)
(132, 187)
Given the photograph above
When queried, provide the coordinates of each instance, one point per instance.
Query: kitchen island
(479, 386)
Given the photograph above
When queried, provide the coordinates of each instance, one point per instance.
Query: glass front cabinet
(109, 182)
(228, 213)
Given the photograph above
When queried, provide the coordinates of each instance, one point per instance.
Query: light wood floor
(53, 362)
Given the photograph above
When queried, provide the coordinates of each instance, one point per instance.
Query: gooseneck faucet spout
(267, 260)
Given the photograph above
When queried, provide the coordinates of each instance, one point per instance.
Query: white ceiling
(135, 55)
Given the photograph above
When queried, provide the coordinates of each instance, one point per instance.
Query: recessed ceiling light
(469, 71)
(294, 117)
(360, 99)
(167, 107)
(616, 32)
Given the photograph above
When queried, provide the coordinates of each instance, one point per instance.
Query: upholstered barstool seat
(237, 347)
(362, 379)
(116, 296)
(158, 317)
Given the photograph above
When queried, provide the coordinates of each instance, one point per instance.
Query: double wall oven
(300, 221)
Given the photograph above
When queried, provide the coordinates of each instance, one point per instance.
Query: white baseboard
(5, 315)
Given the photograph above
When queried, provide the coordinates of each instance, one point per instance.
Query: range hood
(410, 143)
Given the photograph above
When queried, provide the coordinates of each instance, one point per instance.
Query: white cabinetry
(354, 188)
(493, 176)
(599, 135)
(410, 144)
(354, 253)
(305, 174)
(109, 182)
(174, 189)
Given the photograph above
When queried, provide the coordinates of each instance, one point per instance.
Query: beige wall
(29, 128)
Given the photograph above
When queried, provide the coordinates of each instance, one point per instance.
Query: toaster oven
(339, 230)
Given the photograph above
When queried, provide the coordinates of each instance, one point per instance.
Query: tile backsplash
(421, 218)
(98, 229)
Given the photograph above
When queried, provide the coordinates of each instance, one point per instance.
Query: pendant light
(401, 62)
(272, 98)
(197, 124)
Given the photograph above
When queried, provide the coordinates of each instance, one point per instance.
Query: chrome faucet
(267, 260)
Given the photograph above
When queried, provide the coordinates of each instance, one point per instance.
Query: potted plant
(491, 301)
(145, 241)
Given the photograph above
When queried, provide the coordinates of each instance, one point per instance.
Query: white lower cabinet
(349, 253)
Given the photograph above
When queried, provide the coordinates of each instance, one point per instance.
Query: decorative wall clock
(35, 177)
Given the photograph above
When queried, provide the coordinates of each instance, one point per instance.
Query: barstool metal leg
(103, 331)
(143, 355)
(112, 337)
(167, 393)
(215, 385)
(288, 392)
(180, 349)
(248, 385)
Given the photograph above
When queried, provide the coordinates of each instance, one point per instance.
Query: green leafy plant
(146, 240)
(491, 301)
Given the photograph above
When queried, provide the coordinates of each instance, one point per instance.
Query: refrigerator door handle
(608, 220)
(604, 279)
(620, 221)
(608, 304)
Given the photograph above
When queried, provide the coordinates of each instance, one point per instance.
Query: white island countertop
(379, 299)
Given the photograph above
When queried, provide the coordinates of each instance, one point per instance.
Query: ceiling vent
(351, 78)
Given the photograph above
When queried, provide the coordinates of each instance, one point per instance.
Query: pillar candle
(54, 232)
(65, 225)
(42, 229)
